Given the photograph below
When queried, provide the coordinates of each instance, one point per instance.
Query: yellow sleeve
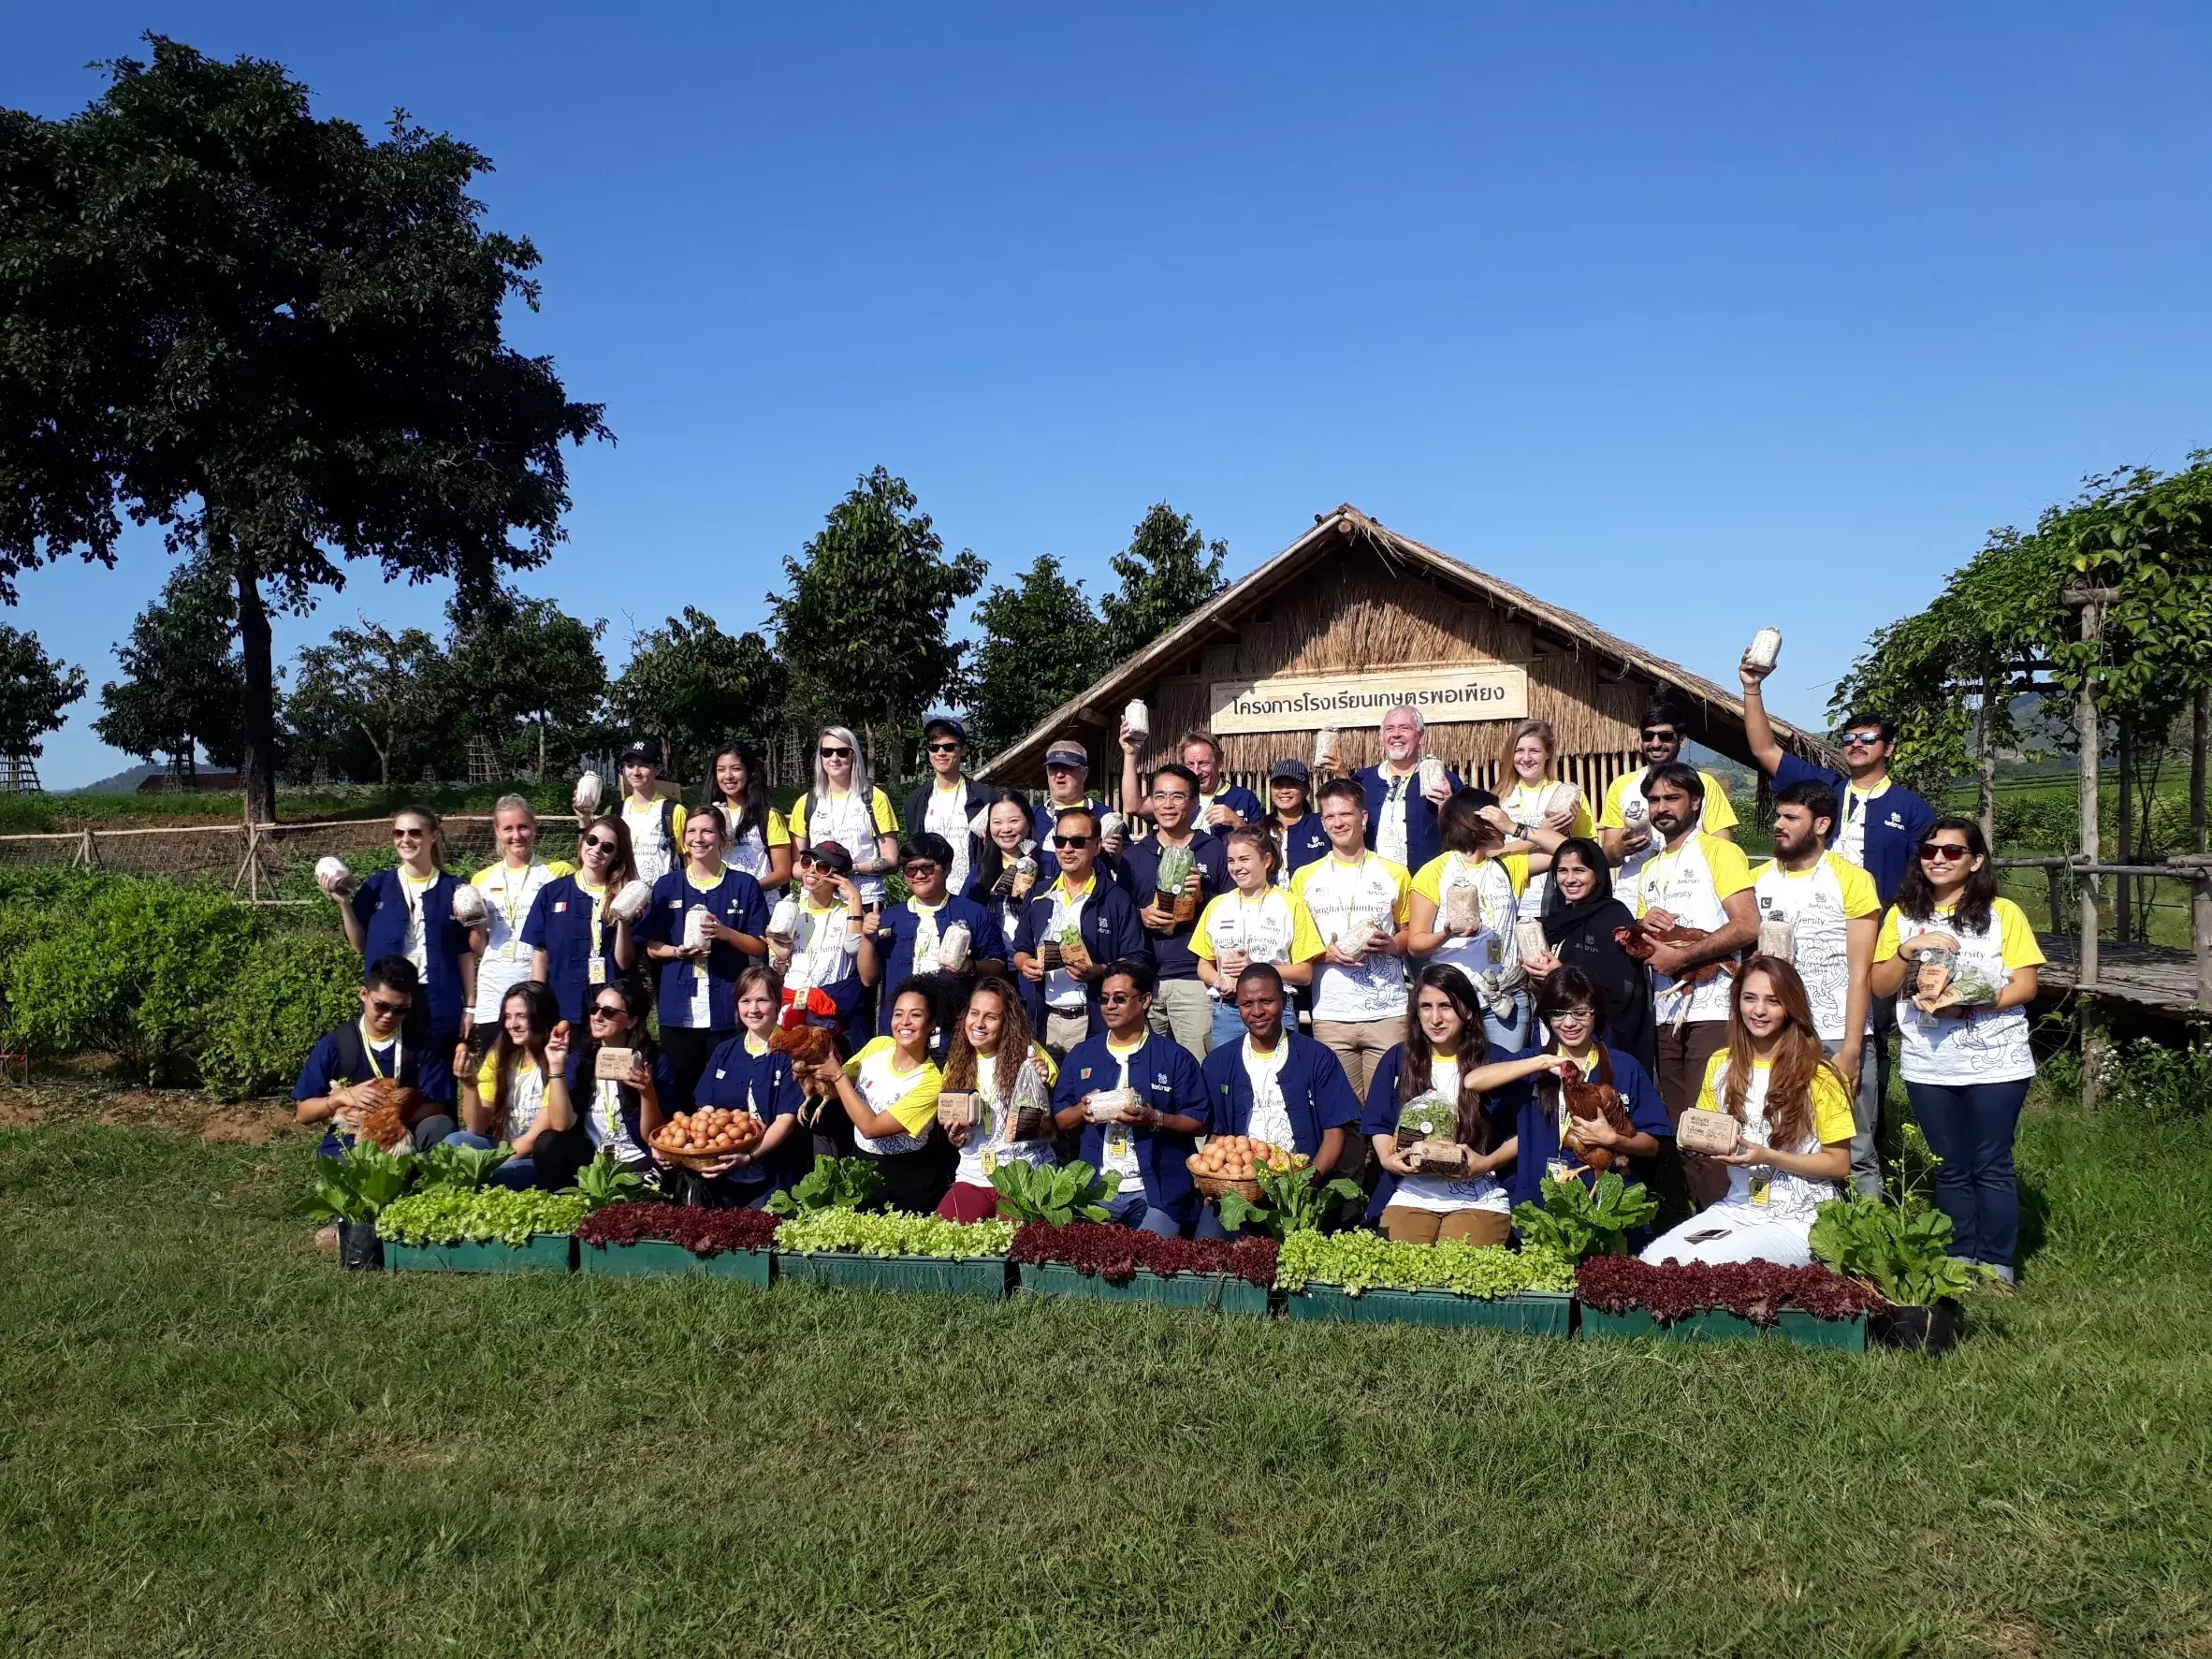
(1046, 1063)
(487, 1079)
(1731, 870)
(1583, 824)
(1300, 876)
(675, 824)
(778, 833)
(1305, 939)
(1611, 815)
(1719, 815)
(1517, 868)
(875, 1045)
(1859, 897)
(886, 823)
(1885, 941)
(2016, 938)
(1402, 910)
(481, 879)
(1430, 882)
(798, 818)
(1709, 1094)
(1831, 1111)
(1202, 936)
(918, 1105)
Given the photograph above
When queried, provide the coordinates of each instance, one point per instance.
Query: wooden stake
(2092, 603)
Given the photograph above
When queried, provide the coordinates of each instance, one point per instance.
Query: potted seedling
(352, 1190)
(1901, 1248)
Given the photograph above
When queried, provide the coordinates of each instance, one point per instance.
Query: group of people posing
(1117, 981)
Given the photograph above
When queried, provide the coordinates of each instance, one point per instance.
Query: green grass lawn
(216, 1442)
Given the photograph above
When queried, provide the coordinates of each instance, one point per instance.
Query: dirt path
(66, 1100)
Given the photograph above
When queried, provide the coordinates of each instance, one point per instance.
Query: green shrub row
(177, 980)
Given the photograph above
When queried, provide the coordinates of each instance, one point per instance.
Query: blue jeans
(1970, 1128)
(1229, 1024)
(1515, 1034)
(1209, 1226)
(520, 1173)
(1133, 1209)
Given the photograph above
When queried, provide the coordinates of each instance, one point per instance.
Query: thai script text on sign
(1475, 692)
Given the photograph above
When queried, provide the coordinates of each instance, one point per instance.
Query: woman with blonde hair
(1533, 793)
(1793, 1144)
(408, 911)
(993, 1054)
(846, 806)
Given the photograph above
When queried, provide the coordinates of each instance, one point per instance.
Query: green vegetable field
(217, 1443)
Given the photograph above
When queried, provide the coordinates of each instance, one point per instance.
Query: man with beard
(1821, 912)
(1623, 829)
(1695, 880)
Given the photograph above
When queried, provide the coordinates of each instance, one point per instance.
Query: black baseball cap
(645, 749)
(1292, 769)
(946, 724)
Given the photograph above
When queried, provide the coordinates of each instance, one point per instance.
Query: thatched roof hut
(1352, 616)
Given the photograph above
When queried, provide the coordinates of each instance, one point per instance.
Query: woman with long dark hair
(1793, 1144)
(755, 838)
(1962, 962)
(1578, 919)
(1444, 1045)
(993, 1054)
(622, 1114)
(577, 939)
(993, 873)
(505, 1098)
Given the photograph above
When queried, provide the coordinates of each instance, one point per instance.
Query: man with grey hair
(509, 888)
(1400, 812)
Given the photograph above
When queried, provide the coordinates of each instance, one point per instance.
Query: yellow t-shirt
(878, 808)
(1274, 927)
(1832, 1120)
(917, 1104)
(1525, 801)
(1723, 861)
(2015, 939)
(1428, 883)
(1718, 814)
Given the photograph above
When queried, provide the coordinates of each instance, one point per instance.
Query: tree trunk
(541, 749)
(257, 763)
(1988, 766)
(2200, 728)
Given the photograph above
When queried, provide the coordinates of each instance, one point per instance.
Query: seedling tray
(1532, 1313)
(546, 1253)
(657, 1259)
(984, 1276)
(1718, 1325)
(1220, 1292)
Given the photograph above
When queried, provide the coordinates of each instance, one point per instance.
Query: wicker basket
(1215, 1186)
(697, 1160)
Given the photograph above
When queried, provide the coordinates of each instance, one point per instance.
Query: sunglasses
(1860, 739)
(1072, 840)
(937, 748)
(915, 872)
(1115, 998)
(601, 842)
(389, 1010)
(832, 752)
(600, 1012)
(1942, 852)
(1661, 735)
(400, 835)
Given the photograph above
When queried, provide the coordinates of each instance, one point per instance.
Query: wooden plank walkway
(2150, 976)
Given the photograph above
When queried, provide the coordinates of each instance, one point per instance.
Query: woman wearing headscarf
(1580, 916)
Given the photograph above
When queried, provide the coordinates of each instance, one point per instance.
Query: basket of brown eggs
(712, 1134)
(1231, 1163)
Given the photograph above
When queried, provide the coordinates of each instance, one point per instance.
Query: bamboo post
(2092, 603)
(2123, 889)
(1989, 769)
(2202, 930)
(2055, 906)
(2200, 728)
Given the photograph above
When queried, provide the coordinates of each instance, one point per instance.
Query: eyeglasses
(1944, 851)
(935, 749)
(1660, 733)
(599, 1011)
(834, 753)
(1115, 998)
(391, 1009)
(414, 835)
(1072, 841)
(1569, 1013)
(1860, 739)
(601, 842)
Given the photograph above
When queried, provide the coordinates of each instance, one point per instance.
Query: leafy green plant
(831, 1184)
(1295, 1202)
(497, 1214)
(1359, 1261)
(358, 1182)
(1901, 1246)
(291, 988)
(1040, 1192)
(892, 1234)
(1575, 1220)
(602, 1182)
(462, 1168)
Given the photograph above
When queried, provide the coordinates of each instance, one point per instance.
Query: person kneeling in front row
(331, 1084)
(1276, 1086)
(1795, 1141)
(506, 1100)
(1148, 1140)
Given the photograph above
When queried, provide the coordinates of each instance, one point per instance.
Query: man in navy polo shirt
(1401, 810)
(1180, 1008)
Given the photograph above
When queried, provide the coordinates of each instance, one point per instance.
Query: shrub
(2166, 1083)
(291, 989)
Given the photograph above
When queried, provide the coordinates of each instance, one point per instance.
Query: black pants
(917, 1181)
(688, 1050)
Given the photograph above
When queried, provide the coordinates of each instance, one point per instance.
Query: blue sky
(1692, 318)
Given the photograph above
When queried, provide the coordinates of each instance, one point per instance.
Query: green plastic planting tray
(1534, 1313)
(1718, 1325)
(984, 1276)
(657, 1259)
(1219, 1292)
(546, 1253)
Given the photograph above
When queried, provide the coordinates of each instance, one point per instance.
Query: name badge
(596, 970)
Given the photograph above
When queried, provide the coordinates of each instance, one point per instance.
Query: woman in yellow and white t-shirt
(993, 1054)
(889, 1090)
(505, 1099)
(1795, 1144)
(846, 806)
(1963, 1042)
(1473, 831)
(1532, 792)
(1255, 921)
(756, 839)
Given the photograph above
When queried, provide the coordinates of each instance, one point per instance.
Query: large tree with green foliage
(182, 688)
(1041, 644)
(392, 692)
(864, 622)
(1167, 570)
(694, 687)
(274, 337)
(528, 676)
(35, 690)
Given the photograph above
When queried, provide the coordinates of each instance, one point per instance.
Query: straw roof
(1716, 713)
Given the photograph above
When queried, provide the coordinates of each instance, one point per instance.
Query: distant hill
(123, 783)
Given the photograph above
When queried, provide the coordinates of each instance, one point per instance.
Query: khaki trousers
(1402, 1224)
